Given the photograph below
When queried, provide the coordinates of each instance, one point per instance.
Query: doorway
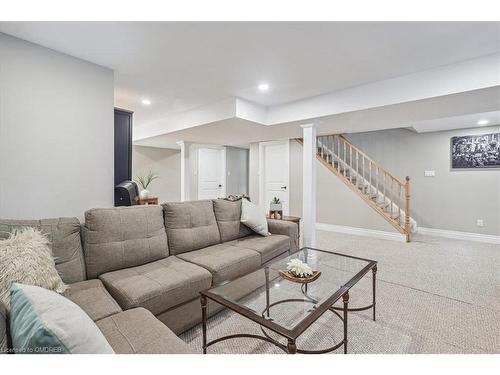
(211, 173)
(274, 174)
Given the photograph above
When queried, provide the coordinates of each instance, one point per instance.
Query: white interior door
(211, 173)
(275, 174)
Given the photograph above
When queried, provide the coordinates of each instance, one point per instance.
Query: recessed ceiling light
(483, 122)
(146, 101)
(263, 87)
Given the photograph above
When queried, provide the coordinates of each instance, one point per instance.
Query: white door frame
(223, 168)
(262, 182)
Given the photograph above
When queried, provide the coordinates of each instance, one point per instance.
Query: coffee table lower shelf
(334, 266)
(291, 347)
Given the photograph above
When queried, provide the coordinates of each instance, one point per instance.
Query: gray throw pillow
(254, 218)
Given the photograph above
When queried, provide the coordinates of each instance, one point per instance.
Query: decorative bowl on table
(287, 275)
(299, 272)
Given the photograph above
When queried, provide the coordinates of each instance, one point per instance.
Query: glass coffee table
(285, 308)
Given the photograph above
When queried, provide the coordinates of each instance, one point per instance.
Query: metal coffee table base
(291, 347)
(291, 336)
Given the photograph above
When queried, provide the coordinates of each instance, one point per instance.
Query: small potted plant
(144, 182)
(276, 205)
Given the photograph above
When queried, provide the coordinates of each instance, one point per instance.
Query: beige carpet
(434, 295)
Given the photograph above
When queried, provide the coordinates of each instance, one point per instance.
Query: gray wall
(236, 170)
(336, 203)
(56, 132)
(166, 163)
(452, 200)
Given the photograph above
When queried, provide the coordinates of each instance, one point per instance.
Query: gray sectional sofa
(138, 271)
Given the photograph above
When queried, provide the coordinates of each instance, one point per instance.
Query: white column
(184, 170)
(309, 185)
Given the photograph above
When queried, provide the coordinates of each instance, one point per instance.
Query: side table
(148, 201)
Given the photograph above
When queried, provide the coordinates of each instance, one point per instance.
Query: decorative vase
(276, 207)
(144, 194)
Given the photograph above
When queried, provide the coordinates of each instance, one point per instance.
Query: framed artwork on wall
(475, 151)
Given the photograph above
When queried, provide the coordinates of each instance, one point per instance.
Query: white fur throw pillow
(25, 257)
(254, 218)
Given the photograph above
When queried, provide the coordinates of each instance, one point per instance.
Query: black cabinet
(123, 146)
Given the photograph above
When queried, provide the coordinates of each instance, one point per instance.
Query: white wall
(253, 173)
(56, 133)
(166, 163)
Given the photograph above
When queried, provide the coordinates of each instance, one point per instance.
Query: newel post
(407, 209)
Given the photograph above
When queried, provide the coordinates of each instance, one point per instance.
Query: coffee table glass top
(291, 303)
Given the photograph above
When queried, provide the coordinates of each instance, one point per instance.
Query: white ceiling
(457, 122)
(181, 66)
(460, 110)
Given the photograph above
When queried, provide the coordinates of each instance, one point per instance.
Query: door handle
(220, 185)
(283, 187)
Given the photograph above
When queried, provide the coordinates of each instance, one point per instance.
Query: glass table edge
(300, 327)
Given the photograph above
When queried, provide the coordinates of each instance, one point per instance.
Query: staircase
(386, 194)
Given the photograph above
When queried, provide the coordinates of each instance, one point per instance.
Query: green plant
(276, 200)
(145, 181)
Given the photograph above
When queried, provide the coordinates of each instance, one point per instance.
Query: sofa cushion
(157, 286)
(117, 238)
(93, 298)
(190, 225)
(224, 261)
(65, 243)
(138, 331)
(268, 247)
(228, 216)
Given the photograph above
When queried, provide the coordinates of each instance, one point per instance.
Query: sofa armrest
(286, 228)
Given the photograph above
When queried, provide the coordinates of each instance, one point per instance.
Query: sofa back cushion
(122, 237)
(190, 225)
(65, 243)
(228, 215)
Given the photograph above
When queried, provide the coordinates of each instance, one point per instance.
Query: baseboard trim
(394, 236)
(467, 236)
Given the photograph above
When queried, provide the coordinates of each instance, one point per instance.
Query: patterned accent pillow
(25, 257)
